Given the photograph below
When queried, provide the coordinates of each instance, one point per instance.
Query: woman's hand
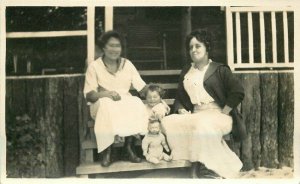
(183, 111)
(114, 95)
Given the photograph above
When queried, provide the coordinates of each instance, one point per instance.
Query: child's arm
(164, 143)
(145, 145)
(168, 109)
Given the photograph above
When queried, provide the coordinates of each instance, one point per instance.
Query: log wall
(57, 106)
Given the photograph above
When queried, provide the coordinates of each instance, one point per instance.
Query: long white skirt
(199, 137)
(125, 117)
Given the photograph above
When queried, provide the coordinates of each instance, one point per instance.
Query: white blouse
(193, 85)
(121, 81)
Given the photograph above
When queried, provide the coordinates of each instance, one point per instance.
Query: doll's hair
(151, 121)
(155, 87)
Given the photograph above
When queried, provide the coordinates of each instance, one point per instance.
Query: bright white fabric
(125, 117)
(127, 75)
(193, 85)
(199, 137)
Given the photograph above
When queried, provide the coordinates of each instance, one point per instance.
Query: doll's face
(154, 127)
(153, 98)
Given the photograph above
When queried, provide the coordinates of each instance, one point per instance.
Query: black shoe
(106, 160)
(129, 144)
(206, 173)
(194, 170)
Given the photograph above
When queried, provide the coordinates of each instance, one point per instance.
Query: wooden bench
(90, 166)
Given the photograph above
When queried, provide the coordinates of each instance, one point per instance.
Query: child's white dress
(199, 136)
(125, 117)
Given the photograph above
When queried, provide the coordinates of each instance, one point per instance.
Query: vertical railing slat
(285, 37)
(229, 36)
(109, 13)
(238, 38)
(274, 37)
(262, 37)
(90, 33)
(250, 36)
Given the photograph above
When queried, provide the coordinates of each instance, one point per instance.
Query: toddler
(156, 107)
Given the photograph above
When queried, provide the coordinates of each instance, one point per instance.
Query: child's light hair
(155, 87)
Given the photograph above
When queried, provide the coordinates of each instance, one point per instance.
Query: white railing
(238, 63)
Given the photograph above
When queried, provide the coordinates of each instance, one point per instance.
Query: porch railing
(234, 49)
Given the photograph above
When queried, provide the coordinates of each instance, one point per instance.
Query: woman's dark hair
(103, 39)
(155, 87)
(202, 36)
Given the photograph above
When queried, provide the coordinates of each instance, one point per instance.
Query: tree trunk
(251, 109)
(269, 120)
(286, 119)
(54, 127)
(71, 135)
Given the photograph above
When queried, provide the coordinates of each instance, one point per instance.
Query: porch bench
(90, 166)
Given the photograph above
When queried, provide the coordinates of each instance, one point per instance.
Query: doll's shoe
(106, 160)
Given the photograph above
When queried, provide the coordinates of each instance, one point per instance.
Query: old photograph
(201, 92)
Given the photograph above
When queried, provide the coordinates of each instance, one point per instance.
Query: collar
(211, 69)
(204, 68)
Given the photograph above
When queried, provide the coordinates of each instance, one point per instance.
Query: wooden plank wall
(59, 109)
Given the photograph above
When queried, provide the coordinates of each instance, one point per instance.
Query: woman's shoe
(194, 169)
(106, 160)
(207, 173)
(129, 143)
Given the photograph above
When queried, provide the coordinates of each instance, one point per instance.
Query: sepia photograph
(165, 92)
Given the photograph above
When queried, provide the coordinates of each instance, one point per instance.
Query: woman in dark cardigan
(206, 102)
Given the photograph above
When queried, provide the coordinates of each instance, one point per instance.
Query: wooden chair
(145, 44)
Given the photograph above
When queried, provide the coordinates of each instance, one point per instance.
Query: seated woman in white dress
(116, 112)
(206, 102)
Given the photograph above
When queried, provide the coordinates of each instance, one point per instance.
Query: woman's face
(197, 50)
(113, 48)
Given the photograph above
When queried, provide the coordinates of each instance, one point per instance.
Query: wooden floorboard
(121, 166)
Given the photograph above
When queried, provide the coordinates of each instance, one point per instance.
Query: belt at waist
(203, 106)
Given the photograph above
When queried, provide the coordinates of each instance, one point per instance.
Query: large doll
(153, 144)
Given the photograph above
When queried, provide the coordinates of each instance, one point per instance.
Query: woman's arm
(93, 96)
(234, 89)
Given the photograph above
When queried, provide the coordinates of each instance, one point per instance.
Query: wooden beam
(109, 17)
(285, 37)
(250, 38)
(274, 37)
(262, 37)
(91, 34)
(238, 38)
(46, 34)
(261, 8)
(229, 38)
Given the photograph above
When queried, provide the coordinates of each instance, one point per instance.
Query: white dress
(125, 117)
(199, 136)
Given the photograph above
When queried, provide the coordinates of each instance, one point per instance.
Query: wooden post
(269, 119)
(53, 126)
(186, 28)
(90, 34)
(286, 119)
(109, 17)
(70, 126)
(251, 110)
(229, 38)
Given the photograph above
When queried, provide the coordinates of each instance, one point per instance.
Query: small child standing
(153, 144)
(156, 107)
